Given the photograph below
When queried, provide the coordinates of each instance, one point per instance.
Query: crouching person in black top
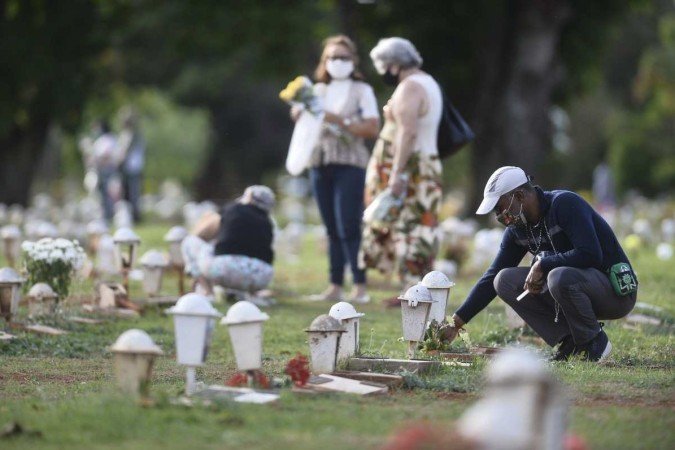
(241, 258)
(579, 273)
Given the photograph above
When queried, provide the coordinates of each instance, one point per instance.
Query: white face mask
(339, 69)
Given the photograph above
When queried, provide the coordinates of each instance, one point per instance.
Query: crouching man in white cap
(242, 256)
(579, 273)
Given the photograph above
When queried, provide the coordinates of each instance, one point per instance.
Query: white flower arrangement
(53, 261)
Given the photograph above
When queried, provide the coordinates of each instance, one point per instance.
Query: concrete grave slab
(157, 301)
(334, 383)
(84, 320)
(237, 394)
(44, 329)
(478, 352)
(6, 336)
(418, 366)
(642, 319)
(392, 381)
(123, 313)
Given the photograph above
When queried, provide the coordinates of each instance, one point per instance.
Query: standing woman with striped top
(339, 161)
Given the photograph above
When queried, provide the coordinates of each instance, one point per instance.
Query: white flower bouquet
(52, 261)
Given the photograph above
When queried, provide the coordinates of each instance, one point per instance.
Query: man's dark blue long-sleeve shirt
(581, 239)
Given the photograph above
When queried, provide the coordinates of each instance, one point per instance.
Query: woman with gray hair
(242, 256)
(405, 161)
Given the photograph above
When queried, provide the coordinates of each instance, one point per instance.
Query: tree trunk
(20, 152)
(346, 18)
(251, 131)
(523, 69)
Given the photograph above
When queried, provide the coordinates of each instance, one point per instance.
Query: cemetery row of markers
(332, 338)
(116, 256)
(520, 390)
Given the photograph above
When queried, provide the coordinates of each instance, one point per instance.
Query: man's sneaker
(565, 349)
(598, 349)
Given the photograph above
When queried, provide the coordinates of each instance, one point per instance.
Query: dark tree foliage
(232, 58)
(48, 60)
(503, 62)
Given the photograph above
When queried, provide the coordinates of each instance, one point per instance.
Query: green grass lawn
(62, 387)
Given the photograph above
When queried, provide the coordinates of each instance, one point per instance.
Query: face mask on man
(389, 78)
(339, 69)
(508, 219)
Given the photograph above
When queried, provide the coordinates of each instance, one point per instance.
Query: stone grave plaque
(347, 386)
(44, 329)
(85, 320)
(237, 394)
(392, 381)
(6, 336)
(418, 366)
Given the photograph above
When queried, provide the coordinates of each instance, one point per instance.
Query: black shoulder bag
(453, 132)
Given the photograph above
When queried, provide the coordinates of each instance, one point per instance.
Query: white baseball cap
(502, 181)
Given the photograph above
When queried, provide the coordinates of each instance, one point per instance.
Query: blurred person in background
(405, 160)
(132, 154)
(604, 191)
(105, 159)
(241, 257)
(338, 166)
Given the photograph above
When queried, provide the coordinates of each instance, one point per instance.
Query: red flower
(428, 219)
(241, 379)
(260, 380)
(298, 369)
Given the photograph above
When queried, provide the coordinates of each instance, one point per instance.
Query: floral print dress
(410, 242)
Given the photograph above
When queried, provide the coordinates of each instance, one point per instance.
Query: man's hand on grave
(450, 332)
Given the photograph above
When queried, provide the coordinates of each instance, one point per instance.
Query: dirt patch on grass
(668, 403)
(28, 378)
(455, 396)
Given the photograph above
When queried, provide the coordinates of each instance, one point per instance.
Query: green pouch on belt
(622, 278)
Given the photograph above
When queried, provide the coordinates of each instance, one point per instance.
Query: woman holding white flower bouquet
(53, 261)
(338, 165)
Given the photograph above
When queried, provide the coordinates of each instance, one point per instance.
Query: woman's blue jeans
(107, 202)
(339, 193)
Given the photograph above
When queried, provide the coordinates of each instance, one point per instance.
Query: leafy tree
(642, 151)
(49, 58)
(504, 62)
(231, 58)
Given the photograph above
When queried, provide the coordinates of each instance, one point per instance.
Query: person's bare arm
(406, 105)
(207, 227)
(295, 112)
(367, 128)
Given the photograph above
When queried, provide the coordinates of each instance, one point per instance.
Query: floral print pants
(238, 272)
(411, 241)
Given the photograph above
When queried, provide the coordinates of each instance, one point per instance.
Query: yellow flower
(632, 242)
(286, 95)
(293, 89)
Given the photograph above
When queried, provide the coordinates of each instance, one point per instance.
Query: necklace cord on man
(534, 249)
